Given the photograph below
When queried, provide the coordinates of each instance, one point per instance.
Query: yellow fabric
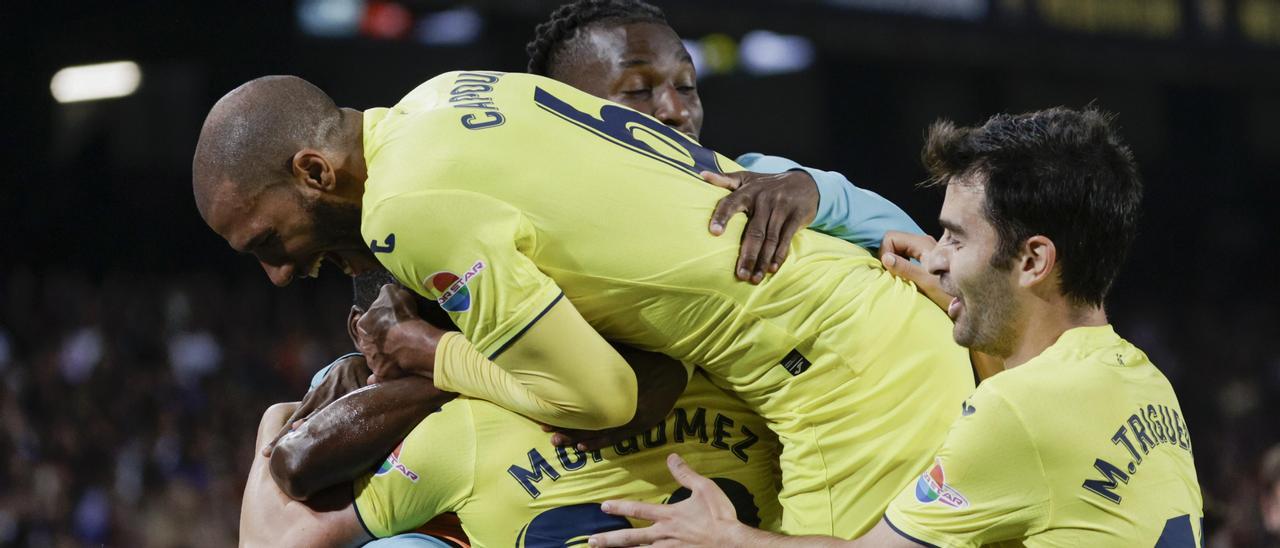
(525, 378)
(483, 462)
(562, 191)
(1023, 467)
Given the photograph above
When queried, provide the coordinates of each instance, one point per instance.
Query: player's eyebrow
(951, 227)
(633, 62)
(254, 242)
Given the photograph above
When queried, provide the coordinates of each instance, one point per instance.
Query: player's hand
(895, 251)
(394, 340)
(778, 205)
(704, 519)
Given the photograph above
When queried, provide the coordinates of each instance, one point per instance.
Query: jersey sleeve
(431, 472)
(985, 485)
(853, 214)
(467, 252)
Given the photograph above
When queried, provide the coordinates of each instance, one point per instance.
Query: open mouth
(332, 258)
(954, 308)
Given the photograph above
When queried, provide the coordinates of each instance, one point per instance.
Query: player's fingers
(906, 245)
(726, 208)
(625, 537)
(729, 181)
(901, 267)
(753, 237)
(927, 283)
(685, 475)
(772, 238)
(784, 245)
(634, 509)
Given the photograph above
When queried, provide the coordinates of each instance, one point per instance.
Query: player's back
(511, 487)
(1083, 445)
(494, 193)
(617, 215)
(1113, 443)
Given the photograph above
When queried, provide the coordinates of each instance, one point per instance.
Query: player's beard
(989, 319)
(336, 224)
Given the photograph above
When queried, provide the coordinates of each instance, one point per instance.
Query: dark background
(137, 351)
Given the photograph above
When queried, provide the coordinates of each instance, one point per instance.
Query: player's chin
(962, 333)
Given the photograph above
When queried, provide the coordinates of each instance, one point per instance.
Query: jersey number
(1177, 533)
(636, 132)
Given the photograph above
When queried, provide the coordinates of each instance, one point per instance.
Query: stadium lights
(93, 82)
(765, 53)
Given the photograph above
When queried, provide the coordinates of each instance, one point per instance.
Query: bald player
(279, 172)
(484, 191)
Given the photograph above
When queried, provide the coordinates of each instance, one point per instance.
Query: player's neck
(1045, 322)
(352, 128)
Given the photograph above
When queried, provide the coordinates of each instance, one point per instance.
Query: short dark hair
(550, 38)
(1061, 173)
(365, 287)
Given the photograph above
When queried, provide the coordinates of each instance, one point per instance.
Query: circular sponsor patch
(454, 295)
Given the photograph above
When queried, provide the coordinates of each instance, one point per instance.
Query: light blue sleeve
(320, 375)
(845, 211)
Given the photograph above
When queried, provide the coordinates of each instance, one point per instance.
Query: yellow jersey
(1083, 445)
(510, 487)
(496, 194)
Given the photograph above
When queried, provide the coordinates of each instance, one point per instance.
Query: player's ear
(352, 318)
(1037, 260)
(311, 169)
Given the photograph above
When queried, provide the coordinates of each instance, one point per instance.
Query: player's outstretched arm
(659, 379)
(559, 372)
(707, 518)
(269, 518)
(351, 435)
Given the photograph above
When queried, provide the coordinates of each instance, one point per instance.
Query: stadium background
(137, 351)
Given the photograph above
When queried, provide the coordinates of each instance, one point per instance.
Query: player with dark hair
(624, 51)
(496, 470)
(1081, 441)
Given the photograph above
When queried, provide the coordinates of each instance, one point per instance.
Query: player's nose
(280, 275)
(936, 260)
(673, 109)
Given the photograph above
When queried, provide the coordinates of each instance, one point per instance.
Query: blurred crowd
(130, 401)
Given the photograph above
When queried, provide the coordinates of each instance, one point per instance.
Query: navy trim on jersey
(906, 536)
(535, 319)
(355, 506)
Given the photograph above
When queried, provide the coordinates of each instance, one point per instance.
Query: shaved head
(279, 173)
(252, 133)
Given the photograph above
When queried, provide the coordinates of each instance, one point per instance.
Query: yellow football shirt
(497, 194)
(510, 487)
(1083, 445)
